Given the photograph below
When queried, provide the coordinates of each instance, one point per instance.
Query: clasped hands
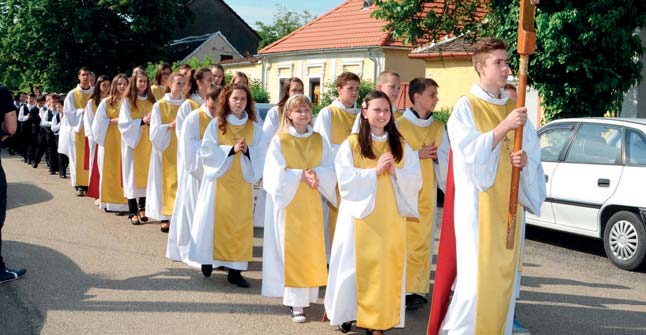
(386, 163)
(240, 146)
(428, 151)
(310, 178)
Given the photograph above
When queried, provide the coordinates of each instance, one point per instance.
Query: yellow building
(343, 39)
(449, 64)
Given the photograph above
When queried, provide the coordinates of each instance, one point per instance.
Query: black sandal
(134, 222)
(165, 226)
(345, 327)
(142, 215)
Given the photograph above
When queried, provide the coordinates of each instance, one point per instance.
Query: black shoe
(8, 274)
(62, 175)
(165, 226)
(51, 173)
(345, 327)
(134, 219)
(34, 165)
(234, 277)
(415, 301)
(207, 269)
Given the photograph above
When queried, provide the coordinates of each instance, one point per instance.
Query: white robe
(358, 188)
(281, 185)
(263, 203)
(130, 135)
(188, 186)
(160, 135)
(323, 126)
(216, 162)
(100, 126)
(475, 166)
(71, 123)
(88, 118)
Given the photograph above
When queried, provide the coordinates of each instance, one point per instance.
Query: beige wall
(455, 77)
(253, 71)
(214, 48)
(407, 68)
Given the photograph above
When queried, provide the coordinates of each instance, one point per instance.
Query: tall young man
(481, 129)
(72, 141)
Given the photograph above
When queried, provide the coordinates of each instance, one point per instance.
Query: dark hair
(96, 93)
(286, 85)
(196, 76)
(224, 109)
(345, 77)
(131, 93)
(160, 72)
(213, 93)
(184, 66)
(484, 47)
(32, 95)
(41, 98)
(365, 138)
(84, 68)
(221, 68)
(419, 85)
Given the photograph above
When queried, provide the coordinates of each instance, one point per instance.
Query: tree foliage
(45, 41)
(284, 22)
(587, 52)
(330, 93)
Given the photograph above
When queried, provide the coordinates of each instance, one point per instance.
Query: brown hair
(239, 74)
(114, 94)
(160, 72)
(345, 77)
(292, 103)
(131, 94)
(213, 93)
(196, 76)
(96, 94)
(224, 109)
(365, 138)
(221, 68)
(483, 47)
(419, 85)
(286, 85)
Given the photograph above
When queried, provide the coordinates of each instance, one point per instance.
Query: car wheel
(624, 240)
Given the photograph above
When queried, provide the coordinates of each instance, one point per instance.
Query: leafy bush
(330, 93)
(260, 95)
(442, 115)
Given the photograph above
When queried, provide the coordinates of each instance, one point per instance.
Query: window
(225, 57)
(596, 144)
(553, 141)
(315, 90)
(635, 148)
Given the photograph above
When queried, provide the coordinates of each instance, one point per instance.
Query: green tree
(330, 93)
(587, 52)
(284, 22)
(45, 41)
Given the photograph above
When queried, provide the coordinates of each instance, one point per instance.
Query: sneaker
(8, 274)
(517, 328)
(415, 301)
(298, 317)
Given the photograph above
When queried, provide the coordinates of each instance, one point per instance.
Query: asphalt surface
(91, 272)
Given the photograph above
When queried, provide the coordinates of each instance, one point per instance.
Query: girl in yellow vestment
(102, 90)
(161, 186)
(105, 130)
(232, 154)
(160, 82)
(134, 124)
(379, 181)
(298, 171)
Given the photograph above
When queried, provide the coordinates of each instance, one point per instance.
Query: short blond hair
(292, 103)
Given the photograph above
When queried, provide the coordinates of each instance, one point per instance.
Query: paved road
(90, 272)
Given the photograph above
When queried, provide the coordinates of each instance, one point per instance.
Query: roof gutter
(318, 51)
(460, 54)
(377, 67)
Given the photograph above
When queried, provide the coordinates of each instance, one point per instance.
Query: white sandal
(298, 317)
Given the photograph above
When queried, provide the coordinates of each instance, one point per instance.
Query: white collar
(197, 98)
(353, 109)
(206, 111)
(232, 119)
(88, 91)
(410, 116)
(482, 94)
(292, 131)
(382, 138)
(168, 98)
(141, 98)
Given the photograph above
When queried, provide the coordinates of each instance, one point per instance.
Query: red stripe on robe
(86, 159)
(446, 270)
(95, 178)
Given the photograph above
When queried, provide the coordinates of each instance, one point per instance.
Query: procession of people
(348, 199)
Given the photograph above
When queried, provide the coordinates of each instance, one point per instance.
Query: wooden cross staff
(526, 47)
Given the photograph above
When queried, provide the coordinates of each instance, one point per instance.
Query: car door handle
(602, 182)
(547, 178)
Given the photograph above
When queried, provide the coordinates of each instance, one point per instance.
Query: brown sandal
(165, 226)
(134, 219)
(142, 215)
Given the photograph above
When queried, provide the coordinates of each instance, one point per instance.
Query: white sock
(296, 310)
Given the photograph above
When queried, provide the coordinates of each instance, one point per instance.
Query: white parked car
(595, 174)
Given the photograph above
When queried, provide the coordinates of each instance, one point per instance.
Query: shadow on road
(24, 194)
(564, 240)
